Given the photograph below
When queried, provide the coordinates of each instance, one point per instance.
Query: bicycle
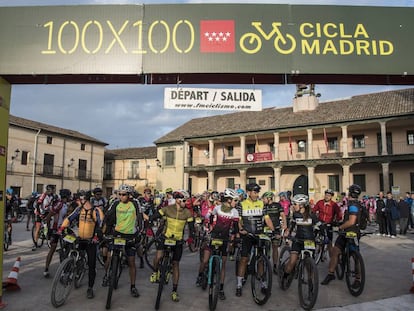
(305, 271)
(322, 242)
(7, 237)
(69, 273)
(165, 267)
(118, 258)
(260, 268)
(198, 236)
(214, 273)
(149, 245)
(351, 264)
(43, 234)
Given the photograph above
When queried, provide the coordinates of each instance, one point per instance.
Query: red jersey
(328, 211)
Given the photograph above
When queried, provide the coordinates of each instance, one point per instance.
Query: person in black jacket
(404, 211)
(391, 211)
(380, 215)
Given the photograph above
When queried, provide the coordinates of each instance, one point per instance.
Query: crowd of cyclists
(231, 215)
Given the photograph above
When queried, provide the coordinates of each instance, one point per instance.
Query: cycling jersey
(252, 215)
(328, 211)
(89, 219)
(175, 220)
(101, 202)
(126, 218)
(227, 217)
(354, 208)
(304, 227)
(274, 210)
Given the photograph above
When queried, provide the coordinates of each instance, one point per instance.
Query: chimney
(305, 98)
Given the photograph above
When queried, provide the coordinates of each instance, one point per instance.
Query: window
(333, 181)
(134, 170)
(108, 171)
(48, 164)
(230, 151)
(251, 180)
(251, 148)
(412, 181)
(410, 137)
(381, 180)
(169, 158)
(272, 182)
(360, 180)
(39, 188)
(272, 147)
(230, 183)
(25, 157)
(82, 169)
(301, 145)
(49, 140)
(83, 147)
(333, 143)
(358, 141)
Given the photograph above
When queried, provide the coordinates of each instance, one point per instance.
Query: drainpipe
(34, 161)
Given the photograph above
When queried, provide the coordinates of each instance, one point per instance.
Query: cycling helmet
(268, 194)
(300, 199)
(125, 188)
(282, 194)
(181, 194)
(253, 187)
(9, 191)
(329, 191)
(355, 190)
(50, 187)
(97, 190)
(168, 190)
(230, 193)
(214, 196)
(65, 193)
(34, 193)
(148, 190)
(240, 191)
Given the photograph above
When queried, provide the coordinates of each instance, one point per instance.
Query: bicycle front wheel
(214, 283)
(340, 267)
(320, 248)
(150, 252)
(39, 242)
(308, 283)
(62, 282)
(261, 279)
(80, 271)
(355, 274)
(113, 273)
(283, 259)
(163, 278)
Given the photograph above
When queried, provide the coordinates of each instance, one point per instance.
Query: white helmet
(125, 188)
(230, 193)
(300, 199)
(181, 194)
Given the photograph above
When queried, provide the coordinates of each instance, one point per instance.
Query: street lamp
(16, 154)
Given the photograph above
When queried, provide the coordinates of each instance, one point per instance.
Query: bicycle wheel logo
(251, 42)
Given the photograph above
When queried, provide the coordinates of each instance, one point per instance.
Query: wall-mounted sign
(212, 99)
(259, 156)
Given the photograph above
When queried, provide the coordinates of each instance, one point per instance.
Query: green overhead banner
(206, 38)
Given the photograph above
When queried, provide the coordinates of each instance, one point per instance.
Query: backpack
(363, 216)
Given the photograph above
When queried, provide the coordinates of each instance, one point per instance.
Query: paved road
(388, 264)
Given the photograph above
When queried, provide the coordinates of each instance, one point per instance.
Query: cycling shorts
(177, 249)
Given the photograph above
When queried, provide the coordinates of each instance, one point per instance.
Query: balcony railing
(49, 170)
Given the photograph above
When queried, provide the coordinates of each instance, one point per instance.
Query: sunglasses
(123, 194)
(183, 200)
(236, 200)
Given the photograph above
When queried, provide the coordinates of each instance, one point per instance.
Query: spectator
(380, 213)
(392, 215)
(404, 211)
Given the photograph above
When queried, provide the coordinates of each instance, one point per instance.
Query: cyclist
(176, 217)
(97, 200)
(284, 201)
(89, 221)
(227, 218)
(43, 204)
(350, 224)
(302, 222)
(276, 213)
(11, 203)
(328, 211)
(58, 212)
(124, 218)
(31, 208)
(147, 202)
(251, 221)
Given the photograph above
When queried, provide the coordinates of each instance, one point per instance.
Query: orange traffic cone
(11, 282)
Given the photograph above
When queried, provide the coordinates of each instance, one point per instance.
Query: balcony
(49, 170)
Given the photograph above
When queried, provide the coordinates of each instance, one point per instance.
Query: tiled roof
(33, 125)
(131, 153)
(361, 107)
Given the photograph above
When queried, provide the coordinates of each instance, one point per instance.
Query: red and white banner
(259, 156)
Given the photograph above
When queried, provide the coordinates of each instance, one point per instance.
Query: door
(300, 186)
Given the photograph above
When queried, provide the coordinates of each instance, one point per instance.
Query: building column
(242, 149)
(310, 144)
(277, 171)
(383, 140)
(386, 176)
(311, 177)
(210, 152)
(276, 146)
(211, 181)
(345, 177)
(345, 140)
(242, 179)
(185, 151)
(185, 181)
